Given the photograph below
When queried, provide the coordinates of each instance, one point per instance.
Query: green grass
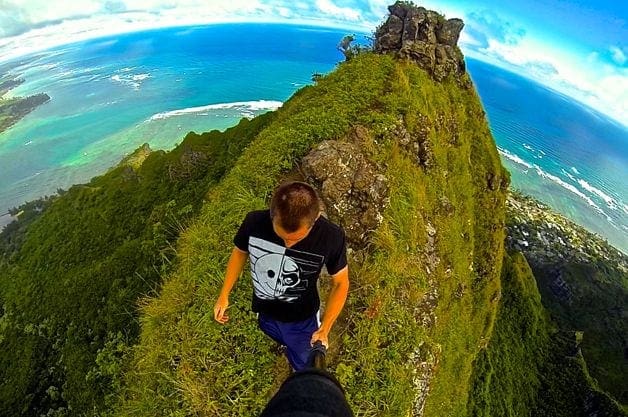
(438, 319)
(186, 364)
(529, 367)
(70, 276)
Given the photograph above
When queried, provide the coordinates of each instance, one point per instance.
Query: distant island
(12, 110)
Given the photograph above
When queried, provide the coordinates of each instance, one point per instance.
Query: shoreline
(14, 109)
(5, 220)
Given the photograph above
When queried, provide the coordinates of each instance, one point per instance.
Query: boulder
(352, 187)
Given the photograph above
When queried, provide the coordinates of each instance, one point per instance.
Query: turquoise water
(559, 151)
(109, 96)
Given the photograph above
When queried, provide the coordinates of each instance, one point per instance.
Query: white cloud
(587, 77)
(618, 55)
(344, 13)
(600, 86)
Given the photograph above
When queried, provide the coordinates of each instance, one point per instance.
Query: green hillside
(107, 290)
(435, 258)
(70, 276)
(530, 367)
(583, 282)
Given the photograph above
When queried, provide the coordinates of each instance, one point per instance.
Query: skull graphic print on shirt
(281, 273)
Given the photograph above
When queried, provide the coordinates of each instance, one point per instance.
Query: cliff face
(409, 167)
(423, 36)
(583, 282)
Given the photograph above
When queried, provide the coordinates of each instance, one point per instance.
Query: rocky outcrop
(417, 144)
(355, 193)
(423, 36)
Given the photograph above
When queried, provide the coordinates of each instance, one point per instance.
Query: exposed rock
(431, 258)
(423, 36)
(446, 207)
(417, 145)
(352, 188)
(423, 361)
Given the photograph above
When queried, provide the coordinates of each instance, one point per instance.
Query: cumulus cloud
(618, 55)
(596, 79)
(330, 8)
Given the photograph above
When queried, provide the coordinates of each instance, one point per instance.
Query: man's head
(294, 208)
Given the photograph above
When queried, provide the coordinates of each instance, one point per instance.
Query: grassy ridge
(186, 364)
(70, 277)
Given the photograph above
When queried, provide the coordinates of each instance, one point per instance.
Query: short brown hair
(293, 204)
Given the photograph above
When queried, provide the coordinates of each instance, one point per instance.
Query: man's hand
(220, 310)
(234, 268)
(322, 335)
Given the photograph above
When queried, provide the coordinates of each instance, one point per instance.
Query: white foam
(140, 77)
(246, 108)
(573, 189)
(528, 147)
(132, 80)
(575, 171)
(571, 177)
(513, 157)
(610, 201)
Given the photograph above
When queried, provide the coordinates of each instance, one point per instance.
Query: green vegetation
(186, 364)
(74, 266)
(15, 108)
(529, 367)
(106, 291)
(583, 283)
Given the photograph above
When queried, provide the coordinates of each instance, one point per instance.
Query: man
(287, 247)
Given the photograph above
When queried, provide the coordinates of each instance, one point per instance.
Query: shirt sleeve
(337, 259)
(241, 238)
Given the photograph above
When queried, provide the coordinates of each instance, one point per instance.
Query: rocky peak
(423, 36)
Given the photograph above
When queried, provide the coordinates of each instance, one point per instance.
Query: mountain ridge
(429, 280)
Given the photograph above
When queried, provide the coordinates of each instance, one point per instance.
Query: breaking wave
(246, 108)
(569, 187)
(610, 201)
(132, 80)
(514, 158)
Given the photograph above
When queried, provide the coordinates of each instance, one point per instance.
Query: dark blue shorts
(296, 336)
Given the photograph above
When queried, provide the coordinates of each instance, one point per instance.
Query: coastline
(14, 109)
(5, 220)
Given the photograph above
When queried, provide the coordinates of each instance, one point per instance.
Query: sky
(577, 47)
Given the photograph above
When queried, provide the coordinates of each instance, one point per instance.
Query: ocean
(110, 95)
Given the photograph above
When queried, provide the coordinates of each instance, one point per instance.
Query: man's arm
(335, 302)
(234, 268)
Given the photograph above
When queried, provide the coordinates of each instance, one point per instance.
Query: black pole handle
(317, 356)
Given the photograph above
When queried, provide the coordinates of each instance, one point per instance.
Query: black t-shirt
(284, 279)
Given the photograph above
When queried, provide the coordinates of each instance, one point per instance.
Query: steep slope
(422, 282)
(583, 282)
(530, 367)
(70, 276)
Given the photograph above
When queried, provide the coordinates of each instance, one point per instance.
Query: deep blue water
(558, 150)
(111, 95)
